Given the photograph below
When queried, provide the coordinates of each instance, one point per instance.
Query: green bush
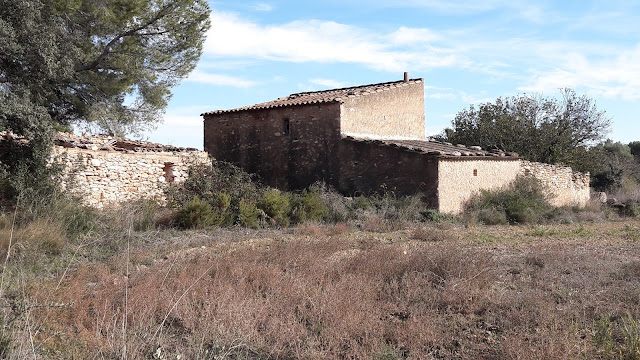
(492, 216)
(309, 206)
(361, 203)
(223, 186)
(436, 216)
(208, 180)
(277, 206)
(249, 214)
(631, 209)
(196, 213)
(523, 202)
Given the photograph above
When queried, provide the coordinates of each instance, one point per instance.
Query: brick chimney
(406, 76)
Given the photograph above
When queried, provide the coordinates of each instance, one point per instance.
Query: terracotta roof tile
(325, 96)
(437, 148)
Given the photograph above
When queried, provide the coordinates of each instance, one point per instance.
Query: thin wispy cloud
(523, 10)
(199, 76)
(327, 83)
(618, 77)
(263, 7)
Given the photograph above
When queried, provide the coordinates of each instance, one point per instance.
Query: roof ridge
(357, 86)
(306, 98)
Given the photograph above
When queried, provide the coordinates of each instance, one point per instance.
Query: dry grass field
(427, 291)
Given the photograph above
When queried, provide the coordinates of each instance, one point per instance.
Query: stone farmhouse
(364, 138)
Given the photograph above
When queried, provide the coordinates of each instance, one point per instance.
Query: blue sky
(468, 52)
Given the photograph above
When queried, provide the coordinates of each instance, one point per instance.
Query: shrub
(431, 234)
(43, 235)
(249, 214)
(309, 206)
(339, 207)
(399, 208)
(196, 213)
(492, 216)
(208, 180)
(436, 216)
(631, 209)
(361, 203)
(524, 201)
(277, 206)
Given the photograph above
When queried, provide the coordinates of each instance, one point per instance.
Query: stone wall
(104, 177)
(288, 147)
(367, 167)
(461, 178)
(567, 187)
(395, 112)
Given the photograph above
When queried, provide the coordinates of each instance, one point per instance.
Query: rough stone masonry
(107, 170)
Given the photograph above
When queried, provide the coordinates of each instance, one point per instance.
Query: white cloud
(327, 42)
(440, 96)
(327, 83)
(412, 36)
(551, 63)
(198, 76)
(613, 77)
(262, 7)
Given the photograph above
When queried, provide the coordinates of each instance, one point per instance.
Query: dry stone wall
(104, 177)
(566, 187)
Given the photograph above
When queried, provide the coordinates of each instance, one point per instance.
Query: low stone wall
(567, 187)
(104, 177)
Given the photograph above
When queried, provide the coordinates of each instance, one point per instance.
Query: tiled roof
(325, 96)
(437, 148)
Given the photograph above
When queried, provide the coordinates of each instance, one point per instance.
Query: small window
(286, 126)
(475, 172)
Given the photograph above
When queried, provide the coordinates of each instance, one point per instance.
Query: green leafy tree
(110, 63)
(537, 128)
(612, 161)
(634, 147)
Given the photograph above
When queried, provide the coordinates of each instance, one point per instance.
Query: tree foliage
(110, 63)
(537, 128)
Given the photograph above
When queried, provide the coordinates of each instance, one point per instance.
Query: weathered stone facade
(366, 139)
(566, 187)
(288, 147)
(105, 170)
(373, 166)
(392, 112)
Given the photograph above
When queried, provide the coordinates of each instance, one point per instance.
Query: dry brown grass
(42, 235)
(334, 292)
